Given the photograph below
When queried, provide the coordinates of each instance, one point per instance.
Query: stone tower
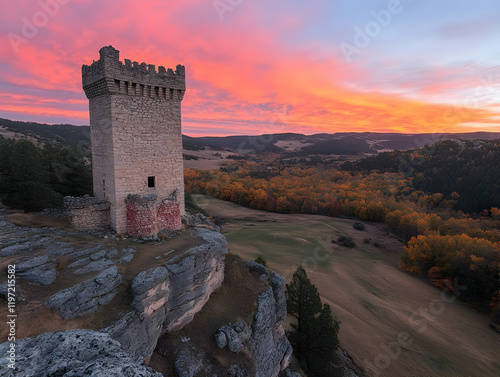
(135, 122)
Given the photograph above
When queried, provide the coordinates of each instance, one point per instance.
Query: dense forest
(441, 243)
(33, 178)
(469, 168)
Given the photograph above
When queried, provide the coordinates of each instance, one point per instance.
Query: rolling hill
(291, 144)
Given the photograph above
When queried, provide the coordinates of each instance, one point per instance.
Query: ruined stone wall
(146, 215)
(135, 119)
(87, 212)
(169, 215)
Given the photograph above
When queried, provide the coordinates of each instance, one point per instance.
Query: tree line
(34, 178)
(467, 167)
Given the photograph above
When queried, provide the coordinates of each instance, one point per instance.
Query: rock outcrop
(37, 270)
(253, 345)
(233, 335)
(199, 220)
(268, 344)
(87, 296)
(73, 353)
(163, 300)
(166, 298)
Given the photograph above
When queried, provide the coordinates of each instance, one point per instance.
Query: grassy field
(393, 324)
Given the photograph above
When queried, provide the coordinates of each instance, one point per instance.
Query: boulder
(126, 258)
(220, 337)
(233, 335)
(268, 344)
(200, 220)
(73, 353)
(257, 268)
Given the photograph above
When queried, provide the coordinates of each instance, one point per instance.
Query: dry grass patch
(35, 220)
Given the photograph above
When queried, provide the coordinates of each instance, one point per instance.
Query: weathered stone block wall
(87, 212)
(101, 139)
(135, 118)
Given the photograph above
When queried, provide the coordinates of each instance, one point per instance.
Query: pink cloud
(241, 74)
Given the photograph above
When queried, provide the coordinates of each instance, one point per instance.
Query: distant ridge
(342, 143)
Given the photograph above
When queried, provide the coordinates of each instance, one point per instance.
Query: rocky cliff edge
(116, 298)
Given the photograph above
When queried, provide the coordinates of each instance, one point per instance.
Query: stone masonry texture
(135, 121)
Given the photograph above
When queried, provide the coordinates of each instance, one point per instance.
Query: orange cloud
(242, 76)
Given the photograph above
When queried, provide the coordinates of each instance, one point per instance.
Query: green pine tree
(314, 335)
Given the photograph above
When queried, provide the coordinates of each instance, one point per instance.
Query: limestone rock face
(265, 338)
(73, 353)
(86, 296)
(166, 298)
(268, 344)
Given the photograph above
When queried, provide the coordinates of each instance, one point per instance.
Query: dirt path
(393, 324)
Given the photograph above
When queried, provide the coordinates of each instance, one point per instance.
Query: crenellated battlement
(109, 75)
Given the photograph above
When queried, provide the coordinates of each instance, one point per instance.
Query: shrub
(358, 226)
(345, 241)
(261, 260)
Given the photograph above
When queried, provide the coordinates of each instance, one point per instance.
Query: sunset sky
(260, 66)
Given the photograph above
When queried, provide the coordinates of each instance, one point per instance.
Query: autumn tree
(473, 261)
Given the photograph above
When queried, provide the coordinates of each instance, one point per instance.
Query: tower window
(151, 181)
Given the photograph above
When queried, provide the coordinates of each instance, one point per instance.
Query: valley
(377, 303)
